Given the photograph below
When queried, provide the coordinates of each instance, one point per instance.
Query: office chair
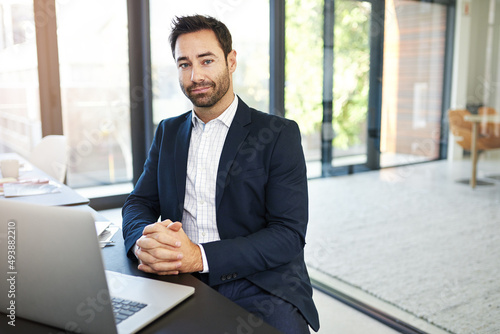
(50, 155)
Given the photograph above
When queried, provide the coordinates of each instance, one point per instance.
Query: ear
(231, 61)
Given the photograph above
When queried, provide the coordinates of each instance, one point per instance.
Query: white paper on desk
(28, 189)
(100, 226)
(106, 236)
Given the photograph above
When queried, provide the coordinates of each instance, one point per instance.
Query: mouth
(199, 89)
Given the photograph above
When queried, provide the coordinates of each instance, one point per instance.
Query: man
(229, 183)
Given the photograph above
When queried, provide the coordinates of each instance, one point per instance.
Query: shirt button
(203, 234)
(202, 202)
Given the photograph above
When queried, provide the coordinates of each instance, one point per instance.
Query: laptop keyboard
(124, 308)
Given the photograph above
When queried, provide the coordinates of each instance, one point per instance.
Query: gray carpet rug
(415, 238)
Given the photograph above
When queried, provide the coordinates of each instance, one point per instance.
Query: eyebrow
(201, 55)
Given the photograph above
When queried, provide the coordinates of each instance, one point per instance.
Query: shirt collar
(226, 117)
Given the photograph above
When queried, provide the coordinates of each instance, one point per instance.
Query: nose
(196, 74)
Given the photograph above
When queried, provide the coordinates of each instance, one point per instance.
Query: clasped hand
(165, 249)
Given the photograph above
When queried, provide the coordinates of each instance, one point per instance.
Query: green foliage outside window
(304, 67)
(304, 63)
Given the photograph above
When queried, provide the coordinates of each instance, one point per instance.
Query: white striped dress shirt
(199, 219)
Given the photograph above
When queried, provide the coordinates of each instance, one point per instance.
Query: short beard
(220, 86)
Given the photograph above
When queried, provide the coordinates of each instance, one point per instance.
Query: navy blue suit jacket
(261, 202)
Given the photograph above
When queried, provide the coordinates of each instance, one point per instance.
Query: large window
(337, 47)
(20, 126)
(93, 57)
(93, 68)
(351, 81)
(349, 72)
(304, 72)
(384, 63)
(248, 22)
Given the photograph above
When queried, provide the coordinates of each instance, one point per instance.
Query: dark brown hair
(187, 24)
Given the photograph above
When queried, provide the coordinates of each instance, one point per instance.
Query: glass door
(413, 77)
(351, 70)
(335, 51)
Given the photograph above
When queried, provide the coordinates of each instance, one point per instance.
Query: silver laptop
(55, 274)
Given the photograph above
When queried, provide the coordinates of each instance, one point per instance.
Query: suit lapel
(181, 156)
(235, 137)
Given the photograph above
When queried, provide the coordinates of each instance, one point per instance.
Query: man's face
(204, 74)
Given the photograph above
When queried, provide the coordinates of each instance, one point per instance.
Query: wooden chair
(489, 129)
(489, 134)
(488, 138)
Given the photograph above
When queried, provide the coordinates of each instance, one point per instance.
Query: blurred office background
(369, 82)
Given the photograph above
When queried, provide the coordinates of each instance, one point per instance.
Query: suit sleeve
(286, 213)
(142, 206)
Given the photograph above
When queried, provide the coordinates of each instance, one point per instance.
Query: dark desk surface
(66, 195)
(205, 312)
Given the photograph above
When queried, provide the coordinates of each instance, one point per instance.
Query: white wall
(476, 70)
(460, 74)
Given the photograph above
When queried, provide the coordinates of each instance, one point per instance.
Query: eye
(183, 65)
(207, 61)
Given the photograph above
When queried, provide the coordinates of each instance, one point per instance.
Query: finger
(158, 255)
(153, 228)
(160, 267)
(148, 242)
(148, 269)
(164, 254)
(175, 226)
(144, 257)
(158, 239)
(159, 226)
(166, 239)
(165, 222)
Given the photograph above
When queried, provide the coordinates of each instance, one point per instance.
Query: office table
(476, 120)
(65, 196)
(205, 312)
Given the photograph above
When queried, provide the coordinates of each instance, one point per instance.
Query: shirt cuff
(134, 249)
(204, 259)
